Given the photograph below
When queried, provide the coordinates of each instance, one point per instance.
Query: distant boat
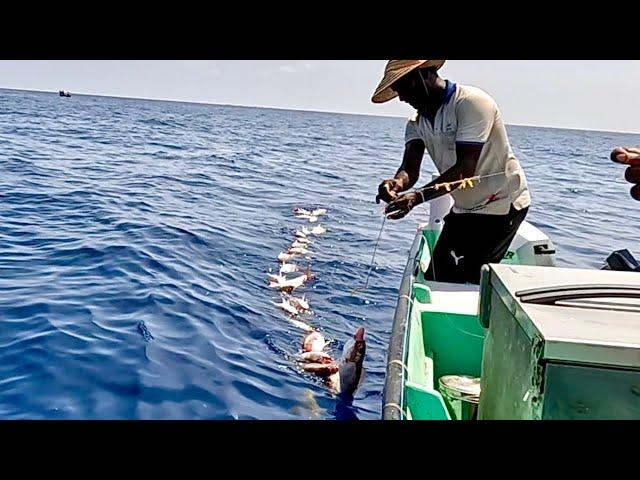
(64, 94)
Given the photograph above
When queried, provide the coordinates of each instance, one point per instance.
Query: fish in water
(318, 363)
(318, 230)
(298, 251)
(313, 342)
(311, 218)
(315, 357)
(300, 303)
(303, 240)
(287, 307)
(344, 376)
(301, 325)
(318, 212)
(288, 268)
(301, 211)
(279, 282)
(286, 257)
(298, 244)
(350, 366)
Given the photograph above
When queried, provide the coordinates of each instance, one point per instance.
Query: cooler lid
(583, 316)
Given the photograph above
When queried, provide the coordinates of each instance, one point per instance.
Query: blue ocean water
(136, 236)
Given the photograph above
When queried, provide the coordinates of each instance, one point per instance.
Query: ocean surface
(136, 237)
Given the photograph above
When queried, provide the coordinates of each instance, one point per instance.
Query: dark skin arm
(406, 176)
(467, 160)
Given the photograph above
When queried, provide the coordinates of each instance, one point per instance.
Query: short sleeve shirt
(469, 115)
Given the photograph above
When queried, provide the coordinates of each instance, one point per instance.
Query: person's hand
(388, 190)
(629, 156)
(402, 205)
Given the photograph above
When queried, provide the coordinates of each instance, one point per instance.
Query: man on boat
(463, 132)
(629, 156)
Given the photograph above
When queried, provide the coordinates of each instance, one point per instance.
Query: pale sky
(590, 95)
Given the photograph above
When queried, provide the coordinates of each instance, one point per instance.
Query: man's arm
(467, 160)
(467, 156)
(407, 175)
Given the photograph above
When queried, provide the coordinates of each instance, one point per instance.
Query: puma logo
(457, 259)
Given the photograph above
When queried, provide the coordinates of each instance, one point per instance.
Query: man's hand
(402, 205)
(629, 156)
(388, 190)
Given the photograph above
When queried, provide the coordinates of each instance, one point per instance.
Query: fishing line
(373, 257)
(464, 183)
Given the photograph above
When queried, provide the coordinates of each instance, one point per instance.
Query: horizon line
(267, 107)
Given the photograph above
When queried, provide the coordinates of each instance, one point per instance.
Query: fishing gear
(463, 183)
(373, 257)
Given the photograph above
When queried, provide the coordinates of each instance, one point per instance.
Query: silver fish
(314, 342)
(287, 307)
(286, 257)
(301, 325)
(298, 244)
(288, 268)
(351, 370)
(318, 230)
(291, 284)
(300, 303)
(298, 251)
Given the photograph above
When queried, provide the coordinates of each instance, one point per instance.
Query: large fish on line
(344, 376)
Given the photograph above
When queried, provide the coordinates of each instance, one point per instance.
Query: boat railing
(392, 403)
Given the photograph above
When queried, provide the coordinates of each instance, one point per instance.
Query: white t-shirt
(470, 115)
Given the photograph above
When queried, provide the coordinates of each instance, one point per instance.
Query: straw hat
(395, 70)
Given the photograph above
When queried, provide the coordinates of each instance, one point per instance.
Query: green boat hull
(436, 332)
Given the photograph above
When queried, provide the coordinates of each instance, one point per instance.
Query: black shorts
(468, 241)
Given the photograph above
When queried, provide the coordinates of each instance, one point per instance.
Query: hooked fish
(298, 244)
(342, 377)
(318, 230)
(321, 369)
(301, 211)
(313, 342)
(305, 232)
(301, 325)
(276, 278)
(300, 303)
(298, 251)
(314, 357)
(311, 218)
(286, 257)
(318, 363)
(291, 284)
(287, 307)
(288, 268)
(350, 366)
